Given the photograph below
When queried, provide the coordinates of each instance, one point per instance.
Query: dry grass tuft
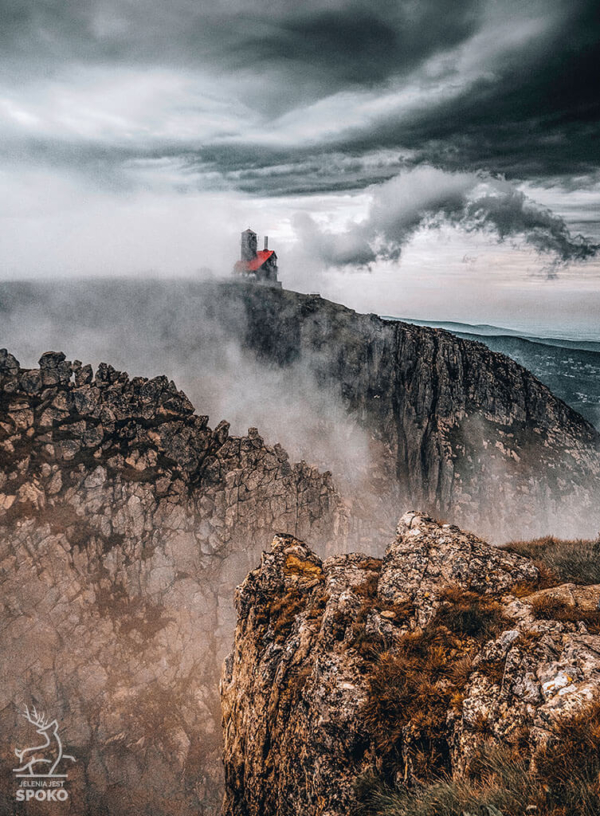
(547, 579)
(576, 561)
(494, 671)
(370, 645)
(281, 613)
(547, 608)
(565, 780)
(471, 615)
(414, 683)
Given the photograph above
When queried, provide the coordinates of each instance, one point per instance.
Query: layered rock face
(125, 524)
(353, 667)
(466, 432)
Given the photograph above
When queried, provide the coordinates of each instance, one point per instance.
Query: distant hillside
(570, 368)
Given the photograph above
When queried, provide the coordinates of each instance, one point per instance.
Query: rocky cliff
(452, 675)
(449, 424)
(125, 524)
(456, 423)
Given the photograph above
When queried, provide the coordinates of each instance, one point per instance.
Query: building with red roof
(261, 265)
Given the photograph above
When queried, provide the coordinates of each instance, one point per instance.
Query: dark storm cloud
(537, 114)
(358, 44)
(322, 96)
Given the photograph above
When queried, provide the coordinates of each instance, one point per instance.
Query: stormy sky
(432, 158)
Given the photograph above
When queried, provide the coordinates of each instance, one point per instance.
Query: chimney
(266, 241)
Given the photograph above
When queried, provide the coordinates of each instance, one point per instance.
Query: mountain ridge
(570, 368)
(445, 422)
(125, 524)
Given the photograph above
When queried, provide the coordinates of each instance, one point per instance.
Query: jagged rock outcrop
(353, 667)
(125, 524)
(452, 424)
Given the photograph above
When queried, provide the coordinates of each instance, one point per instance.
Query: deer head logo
(43, 759)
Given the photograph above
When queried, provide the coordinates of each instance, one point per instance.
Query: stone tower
(249, 244)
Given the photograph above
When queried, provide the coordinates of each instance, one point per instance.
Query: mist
(150, 330)
(379, 250)
(195, 335)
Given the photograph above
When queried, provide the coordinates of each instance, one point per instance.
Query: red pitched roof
(261, 256)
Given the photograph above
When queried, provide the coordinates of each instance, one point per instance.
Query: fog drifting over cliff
(334, 388)
(150, 330)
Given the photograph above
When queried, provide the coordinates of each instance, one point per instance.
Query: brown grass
(546, 579)
(564, 781)
(374, 564)
(460, 671)
(569, 767)
(419, 679)
(469, 614)
(494, 671)
(370, 645)
(548, 608)
(576, 561)
(282, 613)
(296, 680)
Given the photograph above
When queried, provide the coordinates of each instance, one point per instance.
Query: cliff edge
(456, 429)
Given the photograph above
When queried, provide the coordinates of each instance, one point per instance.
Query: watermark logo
(42, 768)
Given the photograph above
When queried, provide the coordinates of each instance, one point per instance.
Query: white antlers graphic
(48, 729)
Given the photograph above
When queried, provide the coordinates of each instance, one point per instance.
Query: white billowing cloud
(477, 202)
(447, 274)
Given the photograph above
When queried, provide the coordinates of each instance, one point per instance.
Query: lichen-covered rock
(125, 524)
(427, 557)
(291, 698)
(586, 598)
(353, 667)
